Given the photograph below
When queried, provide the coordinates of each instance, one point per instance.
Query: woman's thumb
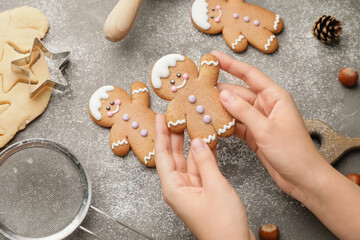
(205, 163)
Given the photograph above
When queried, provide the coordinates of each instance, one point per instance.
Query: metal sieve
(45, 193)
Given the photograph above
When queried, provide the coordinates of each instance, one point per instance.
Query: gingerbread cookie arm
(119, 143)
(235, 39)
(175, 117)
(140, 94)
(209, 69)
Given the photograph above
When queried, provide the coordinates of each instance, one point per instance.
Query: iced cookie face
(207, 15)
(106, 103)
(171, 74)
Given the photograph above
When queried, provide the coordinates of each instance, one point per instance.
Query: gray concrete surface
(126, 189)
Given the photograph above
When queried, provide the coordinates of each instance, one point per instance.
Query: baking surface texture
(131, 192)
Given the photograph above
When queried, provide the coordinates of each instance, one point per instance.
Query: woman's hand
(196, 190)
(270, 123)
(272, 126)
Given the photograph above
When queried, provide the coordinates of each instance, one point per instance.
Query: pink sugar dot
(217, 20)
(135, 125)
(126, 117)
(185, 76)
(192, 98)
(200, 109)
(110, 114)
(207, 119)
(144, 132)
(218, 7)
(174, 89)
(118, 102)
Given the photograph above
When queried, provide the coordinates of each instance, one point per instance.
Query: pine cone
(327, 29)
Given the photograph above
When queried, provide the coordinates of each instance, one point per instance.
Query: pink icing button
(200, 109)
(110, 114)
(218, 7)
(186, 76)
(192, 98)
(118, 102)
(246, 19)
(207, 119)
(135, 125)
(174, 89)
(144, 132)
(236, 16)
(217, 20)
(256, 23)
(126, 117)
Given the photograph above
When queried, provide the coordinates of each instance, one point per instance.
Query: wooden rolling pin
(332, 144)
(121, 19)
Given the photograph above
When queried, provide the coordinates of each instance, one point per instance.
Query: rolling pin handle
(121, 19)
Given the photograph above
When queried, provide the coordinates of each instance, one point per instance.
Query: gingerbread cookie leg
(224, 127)
(272, 22)
(262, 39)
(203, 131)
(144, 151)
(235, 40)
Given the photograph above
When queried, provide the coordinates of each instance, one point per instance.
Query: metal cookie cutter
(55, 61)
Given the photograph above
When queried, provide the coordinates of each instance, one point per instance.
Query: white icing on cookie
(210, 138)
(176, 123)
(209, 63)
(122, 142)
(149, 156)
(269, 42)
(226, 127)
(95, 100)
(199, 14)
(161, 68)
(277, 20)
(181, 85)
(237, 41)
(219, 17)
(117, 109)
(140, 90)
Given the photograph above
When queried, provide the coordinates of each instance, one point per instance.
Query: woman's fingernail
(227, 95)
(198, 144)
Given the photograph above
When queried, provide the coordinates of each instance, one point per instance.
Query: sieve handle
(115, 221)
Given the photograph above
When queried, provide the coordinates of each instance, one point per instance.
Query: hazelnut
(348, 77)
(269, 232)
(354, 177)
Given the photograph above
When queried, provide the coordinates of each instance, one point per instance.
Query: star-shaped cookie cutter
(57, 62)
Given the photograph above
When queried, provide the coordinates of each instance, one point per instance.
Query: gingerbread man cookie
(194, 100)
(241, 23)
(131, 120)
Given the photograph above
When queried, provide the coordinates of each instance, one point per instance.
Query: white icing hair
(199, 14)
(161, 68)
(95, 100)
